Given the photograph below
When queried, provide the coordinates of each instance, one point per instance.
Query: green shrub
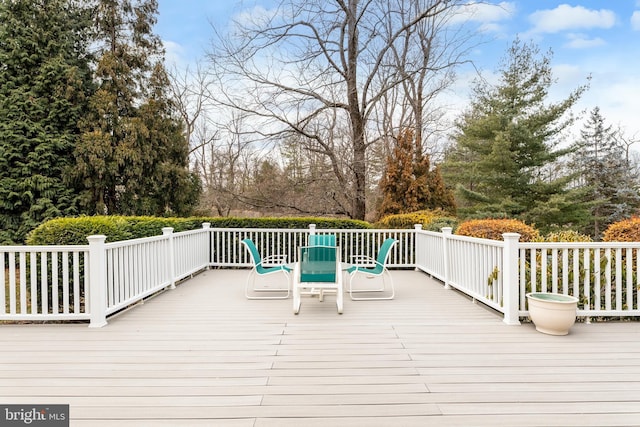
(439, 223)
(74, 231)
(565, 236)
(494, 228)
(285, 222)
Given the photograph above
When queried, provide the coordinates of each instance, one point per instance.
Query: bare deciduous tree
(310, 68)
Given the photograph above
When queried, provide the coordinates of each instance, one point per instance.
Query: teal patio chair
(322, 240)
(317, 271)
(273, 264)
(372, 268)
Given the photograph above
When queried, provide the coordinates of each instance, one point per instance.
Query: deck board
(203, 355)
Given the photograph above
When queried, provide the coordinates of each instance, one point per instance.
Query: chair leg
(250, 287)
(249, 284)
(369, 276)
(383, 288)
(296, 300)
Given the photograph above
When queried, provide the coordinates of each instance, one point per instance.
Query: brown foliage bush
(627, 230)
(432, 220)
(494, 228)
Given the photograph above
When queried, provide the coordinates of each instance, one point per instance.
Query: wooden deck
(203, 355)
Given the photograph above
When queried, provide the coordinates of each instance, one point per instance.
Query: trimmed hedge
(566, 236)
(286, 222)
(74, 231)
(432, 220)
(494, 228)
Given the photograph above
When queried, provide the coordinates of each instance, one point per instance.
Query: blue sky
(587, 37)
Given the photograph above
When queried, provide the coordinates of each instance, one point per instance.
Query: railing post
(312, 232)
(207, 226)
(418, 257)
(97, 281)
(510, 288)
(446, 232)
(168, 232)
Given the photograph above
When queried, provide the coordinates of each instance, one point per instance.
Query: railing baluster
(565, 271)
(23, 283)
(554, 270)
(33, 282)
(55, 297)
(576, 272)
(637, 284)
(618, 279)
(12, 283)
(65, 282)
(523, 278)
(587, 278)
(629, 277)
(44, 283)
(533, 270)
(3, 284)
(76, 283)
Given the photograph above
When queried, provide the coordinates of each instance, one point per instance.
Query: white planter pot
(551, 313)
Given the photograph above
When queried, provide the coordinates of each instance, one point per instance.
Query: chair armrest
(363, 261)
(274, 260)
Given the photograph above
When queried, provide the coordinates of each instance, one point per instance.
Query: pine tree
(44, 82)
(132, 157)
(167, 186)
(604, 174)
(508, 140)
(409, 183)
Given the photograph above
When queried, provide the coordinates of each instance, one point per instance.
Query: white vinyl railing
(473, 266)
(605, 277)
(43, 282)
(227, 251)
(94, 281)
(135, 269)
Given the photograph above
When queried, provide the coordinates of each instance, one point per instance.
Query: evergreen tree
(167, 186)
(44, 82)
(132, 157)
(604, 174)
(507, 142)
(409, 184)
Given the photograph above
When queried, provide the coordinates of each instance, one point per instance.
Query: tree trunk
(360, 174)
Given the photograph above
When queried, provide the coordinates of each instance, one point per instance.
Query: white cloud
(484, 13)
(635, 21)
(565, 17)
(569, 73)
(174, 52)
(581, 41)
(491, 13)
(619, 101)
(257, 15)
(491, 27)
(616, 93)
